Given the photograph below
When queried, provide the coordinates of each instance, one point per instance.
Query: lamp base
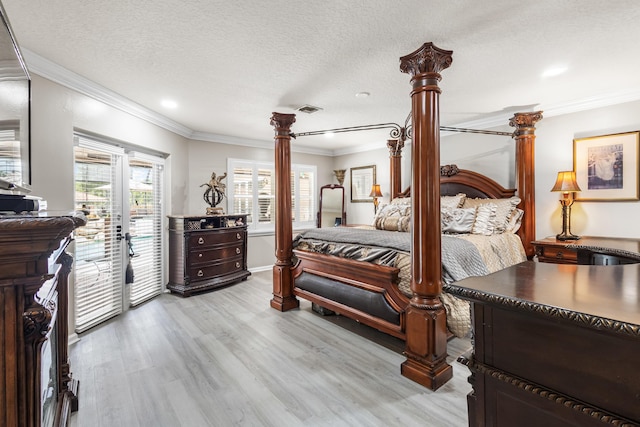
(567, 236)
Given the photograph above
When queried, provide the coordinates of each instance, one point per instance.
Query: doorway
(118, 255)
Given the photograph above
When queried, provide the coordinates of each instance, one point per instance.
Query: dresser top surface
(606, 292)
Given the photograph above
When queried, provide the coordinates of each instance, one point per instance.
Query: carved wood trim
(587, 320)
(548, 394)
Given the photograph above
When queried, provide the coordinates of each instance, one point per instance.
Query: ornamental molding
(548, 394)
(582, 319)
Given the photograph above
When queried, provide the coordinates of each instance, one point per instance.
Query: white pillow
(503, 210)
(457, 221)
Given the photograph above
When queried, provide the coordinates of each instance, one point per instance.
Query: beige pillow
(452, 202)
(457, 221)
(503, 210)
(485, 219)
(393, 217)
(401, 201)
(515, 221)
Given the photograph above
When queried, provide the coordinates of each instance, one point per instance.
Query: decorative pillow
(485, 219)
(401, 201)
(515, 221)
(504, 209)
(458, 221)
(393, 217)
(453, 202)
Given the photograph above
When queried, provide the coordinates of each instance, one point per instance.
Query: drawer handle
(238, 251)
(237, 264)
(200, 273)
(559, 255)
(200, 241)
(238, 236)
(199, 255)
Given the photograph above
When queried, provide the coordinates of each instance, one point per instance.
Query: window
(251, 191)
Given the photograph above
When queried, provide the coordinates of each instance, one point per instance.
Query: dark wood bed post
(525, 160)
(283, 298)
(426, 344)
(395, 157)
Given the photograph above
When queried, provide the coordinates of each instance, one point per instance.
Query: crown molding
(58, 74)
(255, 143)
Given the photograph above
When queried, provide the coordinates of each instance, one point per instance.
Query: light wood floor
(225, 358)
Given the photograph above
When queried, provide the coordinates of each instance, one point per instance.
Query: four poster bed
(373, 292)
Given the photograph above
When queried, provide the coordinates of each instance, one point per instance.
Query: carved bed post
(426, 331)
(283, 298)
(395, 157)
(525, 160)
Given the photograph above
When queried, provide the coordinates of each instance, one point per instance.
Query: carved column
(283, 298)
(426, 345)
(395, 158)
(525, 160)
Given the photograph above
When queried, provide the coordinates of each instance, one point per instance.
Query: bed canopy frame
(425, 329)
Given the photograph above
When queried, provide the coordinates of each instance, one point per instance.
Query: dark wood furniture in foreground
(588, 250)
(555, 345)
(422, 319)
(36, 387)
(206, 252)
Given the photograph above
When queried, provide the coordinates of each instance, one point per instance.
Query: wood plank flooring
(226, 358)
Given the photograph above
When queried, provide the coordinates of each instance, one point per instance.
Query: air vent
(309, 109)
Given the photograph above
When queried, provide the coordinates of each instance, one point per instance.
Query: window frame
(254, 226)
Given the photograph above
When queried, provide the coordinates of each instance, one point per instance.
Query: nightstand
(588, 250)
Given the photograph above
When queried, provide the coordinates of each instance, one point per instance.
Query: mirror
(331, 206)
(15, 175)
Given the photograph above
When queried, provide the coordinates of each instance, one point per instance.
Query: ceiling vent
(309, 109)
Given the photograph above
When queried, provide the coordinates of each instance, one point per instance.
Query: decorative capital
(282, 122)
(525, 122)
(427, 59)
(36, 320)
(395, 147)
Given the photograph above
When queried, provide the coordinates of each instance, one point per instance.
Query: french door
(118, 256)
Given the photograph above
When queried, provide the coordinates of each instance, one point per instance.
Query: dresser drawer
(209, 254)
(557, 254)
(204, 239)
(216, 269)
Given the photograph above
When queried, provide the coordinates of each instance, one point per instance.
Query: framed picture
(607, 167)
(362, 179)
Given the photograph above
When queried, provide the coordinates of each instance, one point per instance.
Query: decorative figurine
(214, 193)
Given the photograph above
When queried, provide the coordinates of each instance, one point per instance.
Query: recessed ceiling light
(329, 134)
(362, 94)
(554, 71)
(167, 103)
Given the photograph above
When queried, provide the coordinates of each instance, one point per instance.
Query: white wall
(206, 157)
(56, 111)
(494, 156)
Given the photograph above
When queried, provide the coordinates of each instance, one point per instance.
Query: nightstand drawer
(556, 254)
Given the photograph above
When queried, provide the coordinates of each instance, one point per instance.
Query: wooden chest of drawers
(206, 252)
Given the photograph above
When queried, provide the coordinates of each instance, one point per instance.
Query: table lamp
(375, 193)
(566, 183)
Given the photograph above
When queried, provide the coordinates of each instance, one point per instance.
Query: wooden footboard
(365, 292)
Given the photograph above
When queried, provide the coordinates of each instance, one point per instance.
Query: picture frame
(362, 179)
(606, 167)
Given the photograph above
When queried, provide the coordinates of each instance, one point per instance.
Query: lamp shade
(375, 191)
(566, 182)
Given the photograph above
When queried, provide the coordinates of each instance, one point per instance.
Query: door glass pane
(98, 256)
(145, 228)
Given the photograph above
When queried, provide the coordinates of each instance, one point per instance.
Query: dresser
(36, 386)
(206, 252)
(588, 250)
(554, 345)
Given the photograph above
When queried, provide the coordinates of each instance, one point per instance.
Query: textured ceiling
(230, 64)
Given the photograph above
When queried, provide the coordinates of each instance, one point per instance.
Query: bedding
(463, 255)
